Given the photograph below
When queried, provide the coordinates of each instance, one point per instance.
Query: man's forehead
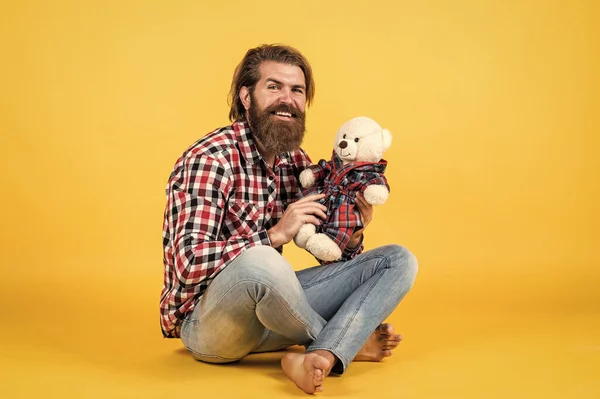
(284, 73)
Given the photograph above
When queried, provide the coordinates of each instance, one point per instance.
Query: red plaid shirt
(221, 199)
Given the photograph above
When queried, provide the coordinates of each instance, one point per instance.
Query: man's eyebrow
(274, 81)
(300, 86)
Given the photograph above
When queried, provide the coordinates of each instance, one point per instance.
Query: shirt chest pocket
(241, 218)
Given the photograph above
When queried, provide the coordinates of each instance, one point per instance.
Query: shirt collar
(283, 159)
(337, 161)
(246, 142)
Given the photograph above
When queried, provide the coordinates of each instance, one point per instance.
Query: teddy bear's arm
(374, 179)
(307, 178)
(376, 190)
(315, 173)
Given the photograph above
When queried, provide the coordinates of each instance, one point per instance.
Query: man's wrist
(354, 242)
(275, 238)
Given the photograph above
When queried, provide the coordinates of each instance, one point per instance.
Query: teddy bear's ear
(387, 138)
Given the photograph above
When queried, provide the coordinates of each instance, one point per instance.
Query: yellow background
(494, 172)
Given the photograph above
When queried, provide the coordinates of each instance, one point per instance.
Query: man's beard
(276, 135)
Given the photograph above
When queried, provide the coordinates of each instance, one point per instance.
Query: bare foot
(379, 345)
(307, 370)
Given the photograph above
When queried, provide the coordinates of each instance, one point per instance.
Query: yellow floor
(86, 348)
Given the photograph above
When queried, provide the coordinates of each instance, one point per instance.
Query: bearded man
(228, 291)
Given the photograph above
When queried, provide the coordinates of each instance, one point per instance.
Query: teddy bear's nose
(343, 144)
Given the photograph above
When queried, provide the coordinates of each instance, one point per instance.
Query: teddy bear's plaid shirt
(341, 183)
(221, 200)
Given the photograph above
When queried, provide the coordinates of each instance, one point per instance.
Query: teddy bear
(356, 166)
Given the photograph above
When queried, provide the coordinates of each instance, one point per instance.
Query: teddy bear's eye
(344, 136)
(356, 140)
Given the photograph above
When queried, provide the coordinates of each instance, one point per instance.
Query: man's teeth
(283, 114)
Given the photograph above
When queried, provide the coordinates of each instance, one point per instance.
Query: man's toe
(385, 329)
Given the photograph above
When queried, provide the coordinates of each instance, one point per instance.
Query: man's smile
(283, 115)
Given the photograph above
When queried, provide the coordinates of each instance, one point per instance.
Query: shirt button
(270, 177)
(269, 209)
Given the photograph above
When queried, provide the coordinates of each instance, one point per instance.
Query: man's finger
(316, 211)
(308, 198)
(311, 219)
(308, 206)
(366, 205)
(360, 201)
(364, 208)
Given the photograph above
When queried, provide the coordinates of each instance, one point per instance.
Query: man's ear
(245, 97)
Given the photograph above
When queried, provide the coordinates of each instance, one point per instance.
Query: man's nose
(286, 96)
(343, 144)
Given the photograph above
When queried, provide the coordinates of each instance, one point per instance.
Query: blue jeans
(259, 304)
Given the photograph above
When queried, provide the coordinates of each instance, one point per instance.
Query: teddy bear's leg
(323, 247)
(306, 231)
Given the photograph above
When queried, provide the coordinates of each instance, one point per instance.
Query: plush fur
(356, 166)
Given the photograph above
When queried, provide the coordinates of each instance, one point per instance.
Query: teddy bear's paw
(323, 247)
(376, 194)
(306, 231)
(307, 178)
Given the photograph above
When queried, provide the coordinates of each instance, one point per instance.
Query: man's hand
(366, 215)
(303, 211)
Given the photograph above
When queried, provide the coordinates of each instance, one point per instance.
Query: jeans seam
(342, 270)
(272, 350)
(291, 311)
(362, 300)
(212, 356)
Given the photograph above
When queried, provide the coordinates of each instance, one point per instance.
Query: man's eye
(272, 87)
(356, 140)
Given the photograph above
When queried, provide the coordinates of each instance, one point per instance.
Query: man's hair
(247, 73)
